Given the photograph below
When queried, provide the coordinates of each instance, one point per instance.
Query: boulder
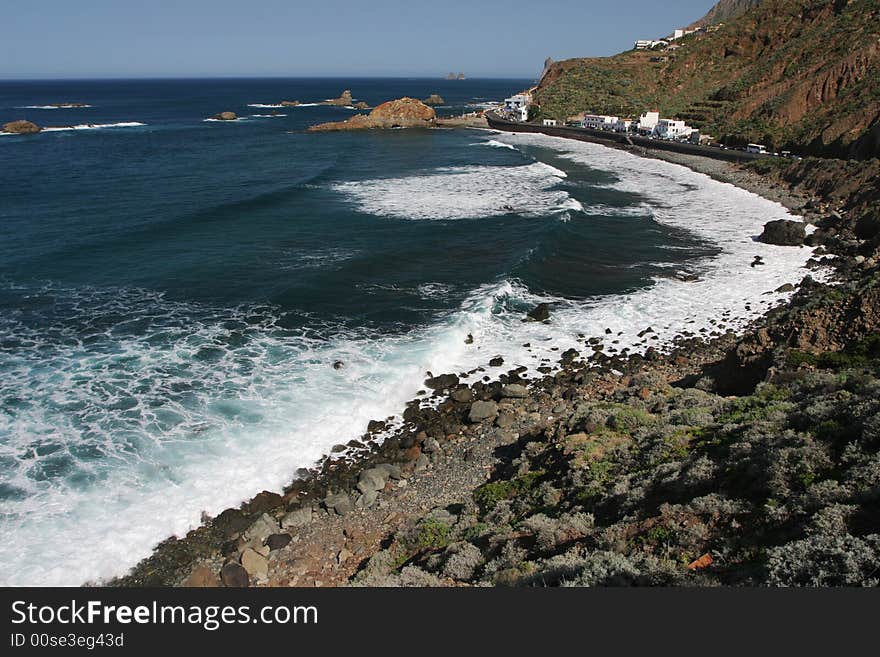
(297, 518)
(21, 127)
(278, 541)
(234, 575)
(201, 578)
(483, 410)
(262, 528)
(372, 479)
(434, 99)
(868, 226)
(514, 391)
(442, 382)
(463, 395)
(539, 313)
(225, 116)
(783, 232)
(256, 565)
(339, 502)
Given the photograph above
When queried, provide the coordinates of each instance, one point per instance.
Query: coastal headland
(737, 458)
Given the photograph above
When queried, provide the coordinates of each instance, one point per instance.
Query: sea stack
(344, 99)
(21, 127)
(225, 116)
(434, 99)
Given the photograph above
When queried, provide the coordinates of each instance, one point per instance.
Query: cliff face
(796, 74)
(725, 10)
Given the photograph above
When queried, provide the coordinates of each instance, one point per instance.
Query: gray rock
(278, 541)
(339, 502)
(441, 382)
(297, 518)
(367, 500)
(539, 313)
(262, 528)
(505, 420)
(430, 446)
(514, 391)
(483, 410)
(372, 479)
(391, 471)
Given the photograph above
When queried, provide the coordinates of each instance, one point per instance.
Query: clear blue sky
(183, 38)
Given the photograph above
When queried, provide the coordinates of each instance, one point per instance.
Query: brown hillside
(797, 74)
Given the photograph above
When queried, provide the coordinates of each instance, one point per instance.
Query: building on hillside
(676, 34)
(672, 129)
(647, 122)
(756, 148)
(647, 44)
(622, 125)
(518, 106)
(549, 122)
(599, 121)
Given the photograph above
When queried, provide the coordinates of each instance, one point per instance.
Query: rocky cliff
(802, 75)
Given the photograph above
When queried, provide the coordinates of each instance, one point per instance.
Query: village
(650, 124)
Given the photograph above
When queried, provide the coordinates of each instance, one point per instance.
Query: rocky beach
(719, 458)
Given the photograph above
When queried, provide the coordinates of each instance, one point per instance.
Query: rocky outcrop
(344, 99)
(21, 127)
(401, 113)
(783, 232)
(434, 99)
(290, 103)
(225, 116)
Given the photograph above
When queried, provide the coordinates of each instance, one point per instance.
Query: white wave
(266, 105)
(267, 116)
(637, 210)
(464, 192)
(496, 144)
(94, 126)
(53, 107)
(236, 120)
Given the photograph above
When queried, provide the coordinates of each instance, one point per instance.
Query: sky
(225, 38)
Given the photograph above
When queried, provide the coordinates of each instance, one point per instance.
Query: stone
(434, 99)
(498, 361)
(372, 479)
(21, 127)
(483, 410)
(391, 471)
(202, 577)
(463, 395)
(539, 313)
(339, 502)
(256, 565)
(234, 575)
(262, 528)
(367, 500)
(514, 391)
(442, 382)
(505, 420)
(787, 287)
(297, 518)
(278, 541)
(783, 232)
(225, 116)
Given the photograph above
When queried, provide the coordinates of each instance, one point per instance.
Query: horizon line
(263, 77)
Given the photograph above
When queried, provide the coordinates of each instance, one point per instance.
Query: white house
(599, 121)
(646, 44)
(648, 121)
(672, 129)
(549, 122)
(518, 105)
(622, 125)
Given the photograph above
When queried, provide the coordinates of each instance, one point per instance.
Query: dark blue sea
(174, 291)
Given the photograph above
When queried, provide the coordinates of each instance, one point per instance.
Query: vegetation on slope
(796, 74)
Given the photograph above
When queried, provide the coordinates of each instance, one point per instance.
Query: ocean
(174, 292)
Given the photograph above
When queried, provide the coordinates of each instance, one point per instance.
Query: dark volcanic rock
(442, 382)
(783, 232)
(540, 313)
(234, 575)
(278, 541)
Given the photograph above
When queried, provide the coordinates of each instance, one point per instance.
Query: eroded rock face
(401, 113)
(21, 127)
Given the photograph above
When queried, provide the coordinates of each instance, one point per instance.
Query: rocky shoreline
(747, 459)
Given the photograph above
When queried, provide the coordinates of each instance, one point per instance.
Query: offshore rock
(21, 127)
(783, 232)
(400, 113)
